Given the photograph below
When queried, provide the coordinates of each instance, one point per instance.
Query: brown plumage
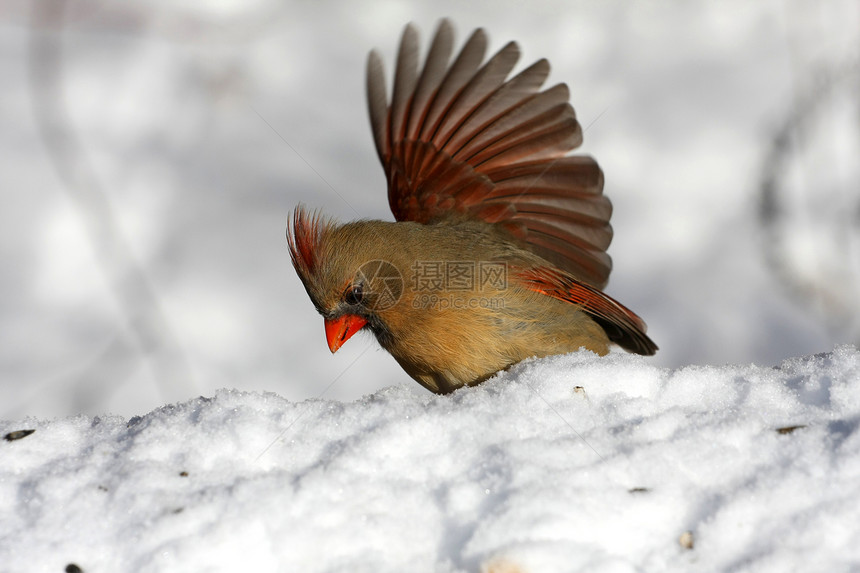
(499, 252)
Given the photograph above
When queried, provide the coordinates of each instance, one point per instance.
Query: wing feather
(461, 139)
(621, 324)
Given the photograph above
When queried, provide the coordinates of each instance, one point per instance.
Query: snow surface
(571, 463)
(182, 111)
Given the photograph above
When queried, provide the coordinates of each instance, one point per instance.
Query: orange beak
(339, 330)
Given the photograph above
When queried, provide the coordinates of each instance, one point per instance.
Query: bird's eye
(354, 294)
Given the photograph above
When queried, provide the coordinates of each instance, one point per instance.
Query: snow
(570, 463)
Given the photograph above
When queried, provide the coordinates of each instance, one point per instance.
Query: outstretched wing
(464, 139)
(620, 323)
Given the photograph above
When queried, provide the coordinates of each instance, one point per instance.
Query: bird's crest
(304, 237)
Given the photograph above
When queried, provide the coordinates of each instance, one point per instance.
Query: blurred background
(150, 153)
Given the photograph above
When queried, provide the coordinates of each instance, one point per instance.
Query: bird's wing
(620, 323)
(464, 139)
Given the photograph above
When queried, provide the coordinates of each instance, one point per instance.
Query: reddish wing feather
(620, 323)
(463, 138)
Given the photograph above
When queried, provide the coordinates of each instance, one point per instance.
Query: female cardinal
(499, 249)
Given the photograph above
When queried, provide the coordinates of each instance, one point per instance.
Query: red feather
(620, 323)
(304, 238)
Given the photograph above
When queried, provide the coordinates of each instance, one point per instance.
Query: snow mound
(571, 463)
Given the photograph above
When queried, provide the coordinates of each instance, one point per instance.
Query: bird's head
(345, 273)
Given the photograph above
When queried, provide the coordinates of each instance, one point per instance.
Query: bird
(498, 249)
